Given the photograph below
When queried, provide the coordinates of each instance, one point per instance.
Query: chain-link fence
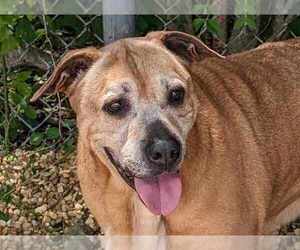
(43, 40)
(35, 45)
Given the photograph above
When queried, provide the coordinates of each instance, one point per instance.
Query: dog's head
(135, 103)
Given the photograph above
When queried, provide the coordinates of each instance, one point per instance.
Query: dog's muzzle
(124, 172)
(162, 149)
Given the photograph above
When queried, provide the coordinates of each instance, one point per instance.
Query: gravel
(40, 195)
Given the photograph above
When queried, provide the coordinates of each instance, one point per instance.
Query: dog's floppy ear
(68, 72)
(186, 46)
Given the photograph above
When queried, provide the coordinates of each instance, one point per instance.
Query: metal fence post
(118, 19)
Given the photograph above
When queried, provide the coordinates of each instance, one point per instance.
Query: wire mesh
(49, 124)
(58, 34)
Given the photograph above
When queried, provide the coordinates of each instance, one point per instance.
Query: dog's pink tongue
(160, 194)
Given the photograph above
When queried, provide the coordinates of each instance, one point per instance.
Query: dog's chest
(144, 222)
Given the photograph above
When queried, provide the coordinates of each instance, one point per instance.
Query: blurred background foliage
(31, 45)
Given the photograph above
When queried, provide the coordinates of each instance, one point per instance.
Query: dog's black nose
(164, 153)
(163, 150)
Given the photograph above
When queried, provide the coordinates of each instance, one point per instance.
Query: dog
(176, 139)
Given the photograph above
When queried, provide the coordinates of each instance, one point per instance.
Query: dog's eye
(116, 107)
(176, 96)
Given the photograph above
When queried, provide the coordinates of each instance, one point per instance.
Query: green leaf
(23, 89)
(251, 22)
(5, 193)
(66, 22)
(142, 24)
(198, 23)
(15, 126)
(8, 19)
(24, 29)
(52, 133)
(69, 146)
(245, 21)
(30, 112)
(69, 123)
(40, 32)
(9, 44)
(239, 23)
(213, 26)
(17, 99)
(31, 18)
(36, 138)
(4, 32)
(23, 76)
(4, 216)
(295, 27)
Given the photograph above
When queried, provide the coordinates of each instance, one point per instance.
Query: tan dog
(174, 137)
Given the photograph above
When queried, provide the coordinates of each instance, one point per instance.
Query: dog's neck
(144, 222)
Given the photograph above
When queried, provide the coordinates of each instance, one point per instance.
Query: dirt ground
(40, 194)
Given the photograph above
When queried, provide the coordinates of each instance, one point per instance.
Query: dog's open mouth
(125, 174)
(160, 194)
